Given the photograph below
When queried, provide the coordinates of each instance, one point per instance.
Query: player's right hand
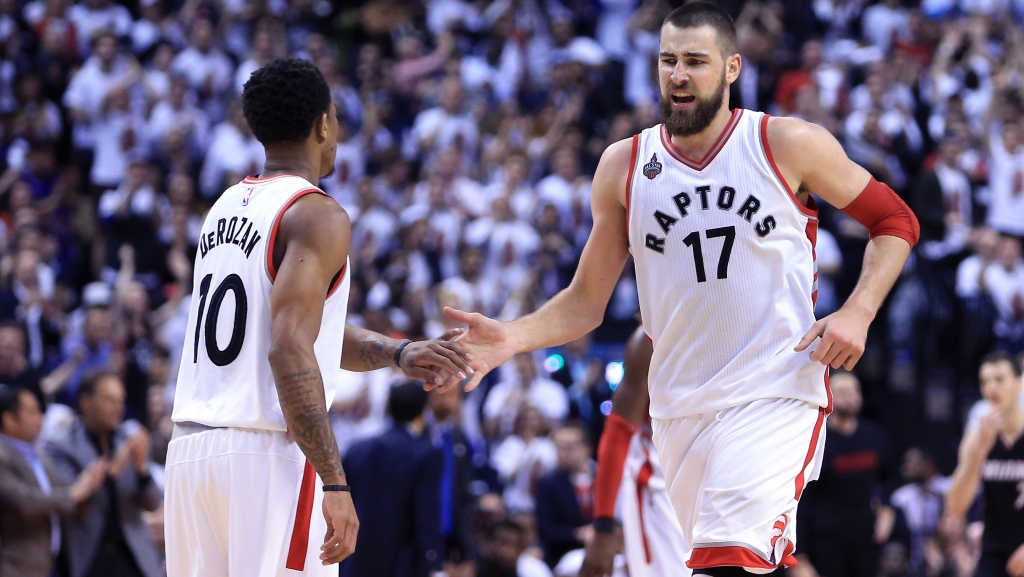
(487, 343)
(342, 527)
(600, 554)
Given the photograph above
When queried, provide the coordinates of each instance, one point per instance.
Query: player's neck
(1013, 420)
(698, 145)
(290, 161)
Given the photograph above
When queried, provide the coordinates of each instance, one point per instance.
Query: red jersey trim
(271, 269)
(811, 209)
(723, 138)
(811, 230)
(800, 481)
(261, 180)
(296, 560)
(337, 280)
(629, 180)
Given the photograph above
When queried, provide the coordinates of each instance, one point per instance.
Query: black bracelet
(605, 525)
(398, 353)
(344, 488)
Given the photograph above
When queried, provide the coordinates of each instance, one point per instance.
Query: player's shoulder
(314, 212)
(614, 167)
(619, 155)
(785, 131)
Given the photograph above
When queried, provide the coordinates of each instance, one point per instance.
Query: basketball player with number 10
(253, 455)
(715, 207)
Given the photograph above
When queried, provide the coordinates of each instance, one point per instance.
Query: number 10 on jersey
(218, 356)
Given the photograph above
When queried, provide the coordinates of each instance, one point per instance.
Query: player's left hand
(599, 560)
(1015, 566)
(843, 334)
(437, 360)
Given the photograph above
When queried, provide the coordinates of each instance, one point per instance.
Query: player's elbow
(285, 348)
(590, 308)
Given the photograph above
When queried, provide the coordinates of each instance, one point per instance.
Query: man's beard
(691, 122)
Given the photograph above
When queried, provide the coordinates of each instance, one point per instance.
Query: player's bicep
(608, 246)
(296, 301)
(828, 172)
(316, 240)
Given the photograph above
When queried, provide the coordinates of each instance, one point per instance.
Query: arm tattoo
(305, 410)
(375, 354)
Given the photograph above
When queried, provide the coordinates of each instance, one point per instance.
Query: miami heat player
(714, 205)
(992, 458)
(628, 474)
(267, 341)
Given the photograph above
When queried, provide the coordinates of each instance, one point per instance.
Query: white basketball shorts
(242, 503)
(654, 544)
(735, 477)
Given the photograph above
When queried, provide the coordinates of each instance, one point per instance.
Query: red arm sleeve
(883, 213)
(611, 459)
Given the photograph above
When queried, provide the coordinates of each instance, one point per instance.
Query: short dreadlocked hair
(282, 100)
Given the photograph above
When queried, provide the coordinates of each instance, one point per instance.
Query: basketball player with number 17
(252, 455)
(715, 207)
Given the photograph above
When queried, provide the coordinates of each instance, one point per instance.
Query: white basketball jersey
(225, 378)
(725, 269)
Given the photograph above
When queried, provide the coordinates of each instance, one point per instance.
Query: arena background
(469, 134)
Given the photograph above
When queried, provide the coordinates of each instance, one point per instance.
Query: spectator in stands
(1003, 280)
(523, 457)
(15, 369)
(565, 497)
(524, 386)
(33, 497)
(445, 126)
(920, 502)
(92, 351)
(845, 514)
(458, 473)
(96, 17)
(395, 479)
(89, 87)
(1006, 180)
(208, 69)
(503, 553)
(109, 538)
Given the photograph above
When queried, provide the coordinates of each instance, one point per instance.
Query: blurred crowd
(469, 131)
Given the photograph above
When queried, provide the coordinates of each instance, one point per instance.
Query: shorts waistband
(186, 428)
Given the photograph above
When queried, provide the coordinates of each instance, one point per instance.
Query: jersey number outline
(692, 240)
(218, 356)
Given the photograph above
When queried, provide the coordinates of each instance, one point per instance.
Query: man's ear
(321, 127)
(733, 65)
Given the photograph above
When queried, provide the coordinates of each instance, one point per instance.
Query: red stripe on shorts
(642, 479)
(303, 514)
(800, 482)
(733, 556)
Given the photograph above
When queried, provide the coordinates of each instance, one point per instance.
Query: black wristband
(398, 353)
(344, 488)
(605, 525)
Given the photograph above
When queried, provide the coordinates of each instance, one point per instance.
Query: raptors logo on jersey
(726, 274)
(225, 378)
